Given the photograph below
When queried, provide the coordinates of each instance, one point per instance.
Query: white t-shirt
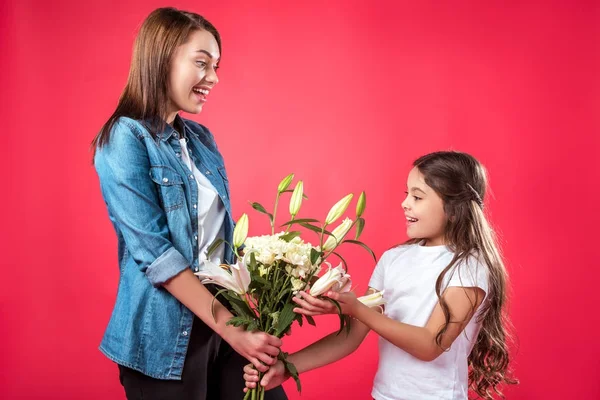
(408, 275)
(211, 211)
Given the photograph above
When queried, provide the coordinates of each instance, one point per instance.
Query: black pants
(212, 371)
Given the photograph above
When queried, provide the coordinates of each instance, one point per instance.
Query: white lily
(335, 279)
(373, 300)
(238, 280)
(337, 235)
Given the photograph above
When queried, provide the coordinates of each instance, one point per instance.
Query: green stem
(275, 214)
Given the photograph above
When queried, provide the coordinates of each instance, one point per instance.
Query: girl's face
(193, 74)
(424, 210)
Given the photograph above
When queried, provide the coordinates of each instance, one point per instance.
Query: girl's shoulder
(390, 255)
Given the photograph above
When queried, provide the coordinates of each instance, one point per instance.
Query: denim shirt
(150, 196)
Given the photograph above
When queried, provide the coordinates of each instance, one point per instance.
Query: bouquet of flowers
(271, 269)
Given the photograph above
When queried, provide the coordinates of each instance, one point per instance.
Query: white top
(211, 211)
(408, 274)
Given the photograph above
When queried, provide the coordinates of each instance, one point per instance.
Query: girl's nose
(404, 205)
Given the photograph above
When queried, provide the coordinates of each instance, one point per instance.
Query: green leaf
(310, 320)
(291, 190)
(360, 225)
(343, 260)
(347, 319)
(240, 321)
(315, 228)
(340, 314)
(239, 306)
(298, 221)
(291, 368)
(314, 256)
(215, 245)
(265, 283)
(286, 318)
(252, 326)
(363, 245)
(299, 319)
(258, 207)
(290, 235)
(283, 293)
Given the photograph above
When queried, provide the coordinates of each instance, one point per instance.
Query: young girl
(442, 331)
(166, 190)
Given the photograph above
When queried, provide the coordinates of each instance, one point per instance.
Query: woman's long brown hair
(145, 95)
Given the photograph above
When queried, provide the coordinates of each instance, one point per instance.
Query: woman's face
(193, 74)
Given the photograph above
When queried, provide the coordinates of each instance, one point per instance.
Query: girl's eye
(216, 67)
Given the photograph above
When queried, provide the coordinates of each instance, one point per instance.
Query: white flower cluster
(270, 248)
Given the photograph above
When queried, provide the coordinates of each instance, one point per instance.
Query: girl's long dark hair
(460, 180)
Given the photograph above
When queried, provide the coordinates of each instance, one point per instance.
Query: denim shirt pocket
(170, 186)
(223, 174)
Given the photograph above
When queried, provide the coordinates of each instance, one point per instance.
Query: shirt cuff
(166, 266)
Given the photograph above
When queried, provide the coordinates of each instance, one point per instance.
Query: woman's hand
(257, 347)
(273, 378)
(310, 305)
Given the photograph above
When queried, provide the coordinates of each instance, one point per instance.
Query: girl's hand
(273, 378)
(348, 302)
(310, 305)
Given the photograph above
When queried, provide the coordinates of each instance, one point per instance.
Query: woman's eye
(416, 198)
(201, 64)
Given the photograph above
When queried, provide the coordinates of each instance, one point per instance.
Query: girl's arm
(331, 348)
(327, 350)
(418, 341)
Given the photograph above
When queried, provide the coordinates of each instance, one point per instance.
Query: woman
(166, 190)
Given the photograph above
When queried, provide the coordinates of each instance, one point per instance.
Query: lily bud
(373, 299)
(241, 231)
(283, 185)
(361, 204)
(338, 234)
(338, 209)
(296, 200)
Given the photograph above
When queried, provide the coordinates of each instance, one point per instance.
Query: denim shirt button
(184, 333)
(178, 154)
(165, 180)
(196, 237)
(207, 172)
(192, 176)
